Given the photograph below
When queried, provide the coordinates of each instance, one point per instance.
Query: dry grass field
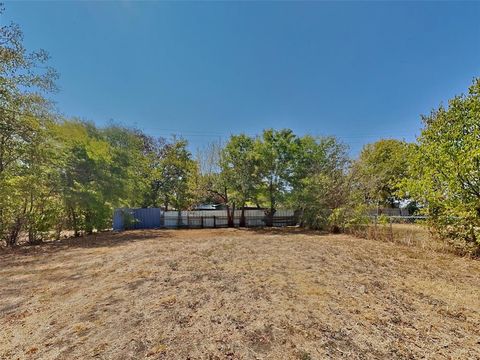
(237, 294)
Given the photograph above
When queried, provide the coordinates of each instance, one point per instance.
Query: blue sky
(360, 71)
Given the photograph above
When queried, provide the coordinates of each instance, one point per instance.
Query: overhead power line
(199, 133)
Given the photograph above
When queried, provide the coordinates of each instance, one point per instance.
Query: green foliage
(318, 196)
(379, 170)
(25, 151)
(239, 169)
(445, 169)
(383, 219)
(320, 183)
(276, 153)
(87, 182)
(176, 176)
(128, 219)
(357, 216)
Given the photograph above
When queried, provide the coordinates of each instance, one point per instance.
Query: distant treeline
(68, 174)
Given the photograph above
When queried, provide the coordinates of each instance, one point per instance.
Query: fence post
(201, 219)
(214, 221)
(391, 229)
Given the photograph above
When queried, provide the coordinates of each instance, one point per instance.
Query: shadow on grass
(112, 239)
(289, 230)
(102, 239)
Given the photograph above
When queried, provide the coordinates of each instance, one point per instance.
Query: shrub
(128, 219)
(445, 170)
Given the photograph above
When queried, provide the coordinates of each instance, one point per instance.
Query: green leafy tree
(321, 187)
(216, 184)
(134, 157)
(177, 176)
(87, 182)
(379, 170)
(25, 79)
(101, 169)
(445, 169)
(154, 152)
(239, 168)
(276, 153)
(44, 205)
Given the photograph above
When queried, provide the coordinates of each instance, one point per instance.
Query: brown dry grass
(410, 235)
(237, 294)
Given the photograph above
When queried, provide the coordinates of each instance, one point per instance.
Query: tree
(211, 187)
(239, 167)
(276, 153)
(135, 158)
(380, 169)
(102, 169)
(445, 168)
(28, 180)
(320, 185)
(208, 157)
(177, 176)
(214, 185)
(89, 186)
(25, 79)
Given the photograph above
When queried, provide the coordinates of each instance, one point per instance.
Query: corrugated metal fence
(148, 218)
(152, 218)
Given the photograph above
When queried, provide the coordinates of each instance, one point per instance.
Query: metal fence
(389, 212)
(152, 218)
(149, 218)
(409, 219)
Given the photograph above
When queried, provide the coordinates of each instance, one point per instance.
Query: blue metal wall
(149, 218)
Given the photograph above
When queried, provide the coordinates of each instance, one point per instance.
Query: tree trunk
(14, 232)
(17, 227)
(32, 238)
(270, 213)
(58, 231)
(272, 210)
(231, 216)
(32, 233)
(74, 222)
(242, 217)
(88, 223)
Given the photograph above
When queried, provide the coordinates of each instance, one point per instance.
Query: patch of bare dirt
(236, 294)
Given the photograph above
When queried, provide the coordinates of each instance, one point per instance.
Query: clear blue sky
(360, 71)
